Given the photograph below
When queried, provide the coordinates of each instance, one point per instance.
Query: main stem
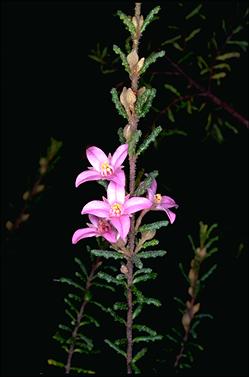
(80, 316)
(133, 121)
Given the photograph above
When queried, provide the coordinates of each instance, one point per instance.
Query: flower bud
(39, 189)
(141, 91)
(127, 132)
(9, 225)
(130, 97)
(141, 21)
(140, 64)
(201, 252)
(25, 217)
(26, 195)
(196, 308)
(186, 321)
(191, 291)
(123, 96)
(132, 59)
(134, 21)
(124, 269)
(192, 275)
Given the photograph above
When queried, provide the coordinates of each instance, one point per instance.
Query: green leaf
(109, 287)
(228, 55)
(137, 261)
(55, 363)
(107, 254)
(118, 105)
(146, 183)
(152, 301)
(70, 282)
(108, 278)
(139, 355)
(179, 301)
(151, 59)
(242, 44)
(144, 102)
(194, 12)
(143, 328)
(152, 254)
(122, 56)
(81, 266)
(149, 139)
(135, 368)
(81, 370)
(87, 341)
(127, 22)
(153, 226)
(208, 273)
(171, 40)
(172, 89)
(69, 303)
(116, 317)
(147, 338)
(121, 135)
(172, 338)
(137, 311)
(150, 17)
(218, 76)
(146, 277)
(133, 142)
(183, 272)
(170, 115)
(143, 271)
(91, 320)
(211, 241)
(222, 66)
(120, 306)
(149, 243)
(192, 34)
(112, 345)
(75, 297)
(65, 328)
(204, 315)
(192, 242)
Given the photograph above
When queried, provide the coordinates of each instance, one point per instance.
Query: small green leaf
(122, 56)
(137, 311)
(65, 328)
(144, 102)
(218, 76)
(147, 338)
(194, 12)
(55, 363)
(82, 371)
(109, 287)
(242, 44)
(144, 185)
(172, 89)
(127, 22)
(152, 254)
(118, 105)
(120, 306)
(171, 40)
(151, 59)
(149, 244)
(179, 301)
(152, 301)
(81, 265)
(143, 271)
(149, 139)
(69, 282)
(228, 55)
(208, 273)
(137, 261)
(170, 115)
(121, 135)
(143, 328)
(108, 278)
(91, 320)
(139, 355)
(153, 226)
(150, 17)
(107, 254)
(172, 338)
(117, 349)
(183, 272)
(146, 277)
(192, 34)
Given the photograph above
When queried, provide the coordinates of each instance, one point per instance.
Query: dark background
(51, 88)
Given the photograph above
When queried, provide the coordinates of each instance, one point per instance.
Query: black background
(51, 88)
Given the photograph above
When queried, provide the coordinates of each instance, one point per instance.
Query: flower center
(157, 198)
(106, 169)
(103, 226)
(116, 209)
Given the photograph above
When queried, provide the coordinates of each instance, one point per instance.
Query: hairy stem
(80, 315)
(133, 121)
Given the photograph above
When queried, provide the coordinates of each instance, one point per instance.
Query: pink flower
(104, 167)
(97, 228)
(161, 203)
(117, 208)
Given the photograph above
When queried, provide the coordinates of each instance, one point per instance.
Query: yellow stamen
(157, 198)
(106, 168)
(116, 209)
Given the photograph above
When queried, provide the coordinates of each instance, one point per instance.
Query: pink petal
(87, 175)
(96, 157)
(94, 220)
(171, 215)
(115, 193)
(119, 156)
(83, 233)
(150, 195)
(118, 177)
(110, 236)
(168, 202)
(97, 208)
(153, 186)
(122, 224)
(136, 204)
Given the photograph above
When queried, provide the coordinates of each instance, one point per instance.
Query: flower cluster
(110, 217)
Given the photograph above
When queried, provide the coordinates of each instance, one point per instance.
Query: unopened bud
(192, 275)
(134, 21)
(9, 225)
(39, 189)
(196, 308)
(124, 269)
(186, 321)
(188, 304)
(140, 64)
(26, 195)
(130, 97)
(201, 252)
(25, 217)
(146, 236)
(127, 132)
(123, 96)
(191, 291)
(141, 91)
(132, 59)
(141, 21)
